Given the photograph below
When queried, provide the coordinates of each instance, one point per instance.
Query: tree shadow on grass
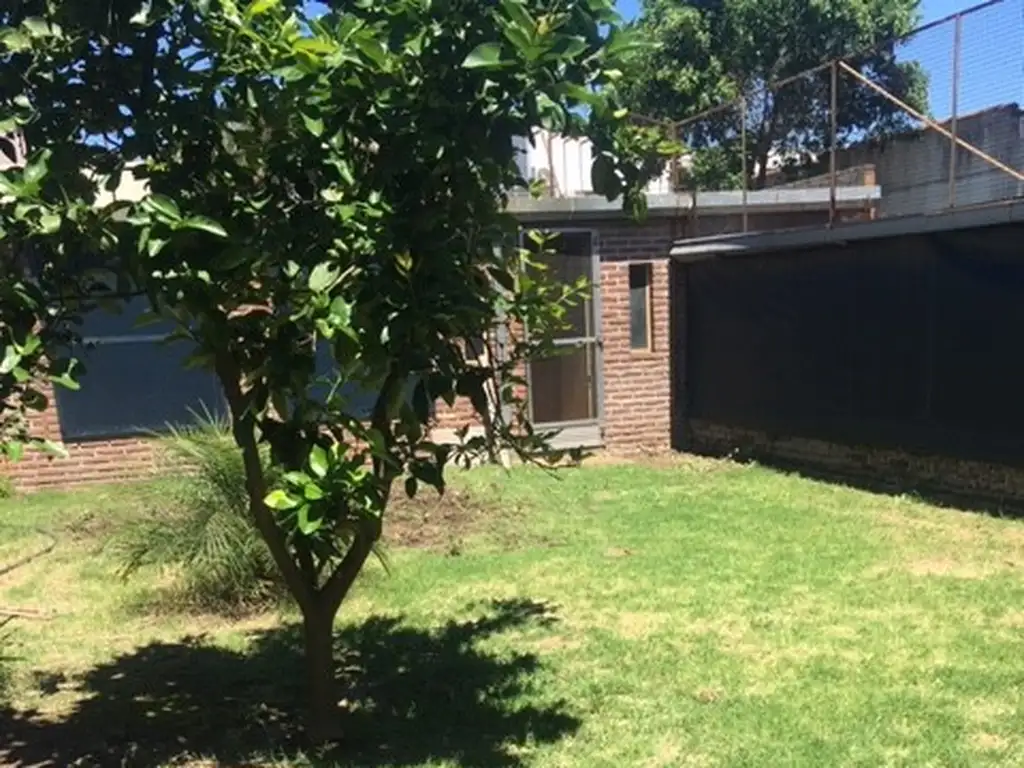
(413, 696)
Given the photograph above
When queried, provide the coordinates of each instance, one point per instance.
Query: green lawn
(693, 613)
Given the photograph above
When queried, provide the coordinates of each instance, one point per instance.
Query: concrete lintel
(753, 243)
(708, 203)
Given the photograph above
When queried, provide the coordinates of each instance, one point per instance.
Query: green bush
(198, 525)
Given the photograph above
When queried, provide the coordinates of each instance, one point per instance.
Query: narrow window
(640, 306)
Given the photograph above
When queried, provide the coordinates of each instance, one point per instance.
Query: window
(134, 383)
(639, 306)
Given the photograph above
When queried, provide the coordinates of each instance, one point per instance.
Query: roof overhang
(754, 243)
(706, 203)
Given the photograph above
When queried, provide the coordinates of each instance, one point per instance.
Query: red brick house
(614, 392)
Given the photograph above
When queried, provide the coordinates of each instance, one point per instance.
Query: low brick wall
(994, 485)
(91, 461)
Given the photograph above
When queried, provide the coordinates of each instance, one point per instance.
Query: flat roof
(711, 203)
(753, 243)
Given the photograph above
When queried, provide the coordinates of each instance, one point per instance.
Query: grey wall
(913, 170)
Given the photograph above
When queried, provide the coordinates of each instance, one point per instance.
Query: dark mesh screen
(911, 342)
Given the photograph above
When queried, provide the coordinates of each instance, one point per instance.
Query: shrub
(198, 525)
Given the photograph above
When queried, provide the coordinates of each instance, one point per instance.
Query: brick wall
(637, 397)
(93, 461)
(637, 404)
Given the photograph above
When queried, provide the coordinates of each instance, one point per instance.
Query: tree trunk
(762, 169)
(324, 723)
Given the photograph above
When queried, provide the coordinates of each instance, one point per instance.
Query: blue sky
(992, 58)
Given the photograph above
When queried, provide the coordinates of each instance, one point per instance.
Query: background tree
(325, 217)
(711, 52)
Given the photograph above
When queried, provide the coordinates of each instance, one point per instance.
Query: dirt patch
(636, 626)
(556, 643)
(667, 753)
(708, 695)
(444, 523)
(933, 566)
(989, 742)
(945, 567)
(662, 460)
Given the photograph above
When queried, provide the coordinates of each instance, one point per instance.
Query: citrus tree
(324, 222)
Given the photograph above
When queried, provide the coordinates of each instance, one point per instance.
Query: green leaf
(312, 492)
(10, 361)
(411, 484)
(163, 206)
(315, 46)
(259, 7)
(298, 479)
(31, 344)
(517, 12)
(14, 449)
(314, 125)
(37, 27)
(322, 277)
(573, 47)
(318, 461)
(204, 224)
(485, 55)
(281, 500)
(36, 171)
(373, 50)
(65, 380)
(308, 526)
(15, 40)
(341, 312)
(155, 245)
(49, 223)
(290, 73)
(141, 17)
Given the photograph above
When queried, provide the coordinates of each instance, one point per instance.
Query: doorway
(565, 389)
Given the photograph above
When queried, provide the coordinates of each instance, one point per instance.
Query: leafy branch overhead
(324, 224)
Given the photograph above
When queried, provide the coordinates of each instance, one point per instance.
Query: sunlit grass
(694, 613)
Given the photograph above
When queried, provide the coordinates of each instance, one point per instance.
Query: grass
(689, 613)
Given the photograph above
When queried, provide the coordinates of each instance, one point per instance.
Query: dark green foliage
(712, 53)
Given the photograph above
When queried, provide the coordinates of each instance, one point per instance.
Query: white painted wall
(567, 163)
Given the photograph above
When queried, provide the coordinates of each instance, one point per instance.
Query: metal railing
(930, 121)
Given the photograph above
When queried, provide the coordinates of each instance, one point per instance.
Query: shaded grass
(685, 613)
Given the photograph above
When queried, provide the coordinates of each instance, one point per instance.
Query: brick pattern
(93, 461)
(898, 470)
(637, 396)
(455, 416)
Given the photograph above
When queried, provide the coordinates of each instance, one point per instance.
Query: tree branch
(369, 531)
(344, 576)
(243, 427)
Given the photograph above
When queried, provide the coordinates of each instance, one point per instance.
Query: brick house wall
(637, 384)
(93, 461)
